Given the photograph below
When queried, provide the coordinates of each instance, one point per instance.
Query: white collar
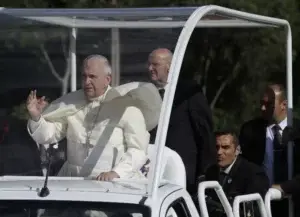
(227, 170)
(282, 124)
(100, 98)
(164, 87)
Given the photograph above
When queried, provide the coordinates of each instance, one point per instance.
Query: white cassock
(108, 134)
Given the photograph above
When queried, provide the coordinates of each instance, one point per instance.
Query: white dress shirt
(269, 159)
(227, 170)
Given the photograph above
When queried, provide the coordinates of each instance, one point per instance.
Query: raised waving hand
(35, 106)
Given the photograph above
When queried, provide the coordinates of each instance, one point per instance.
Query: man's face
(226, 150)
(94, 78)
(272, 106)
(158, 68)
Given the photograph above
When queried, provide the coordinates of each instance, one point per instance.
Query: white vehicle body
(161, 192)
(94, 191)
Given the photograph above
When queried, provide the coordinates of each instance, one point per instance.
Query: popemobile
(164, 192)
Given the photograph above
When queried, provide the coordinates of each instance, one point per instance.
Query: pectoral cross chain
(88, 144)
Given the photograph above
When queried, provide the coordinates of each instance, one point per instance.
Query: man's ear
(168, 67)
(108, 79)
(284, 104)
(238, 150)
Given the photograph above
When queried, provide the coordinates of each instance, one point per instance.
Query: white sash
(147, 99)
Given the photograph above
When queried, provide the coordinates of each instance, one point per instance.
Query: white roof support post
(289, 83)
(155, 169)
(72, 50)
(115, 56)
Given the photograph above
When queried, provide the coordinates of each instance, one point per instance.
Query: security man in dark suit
(235, 174)
(262, 140)
(190, 131)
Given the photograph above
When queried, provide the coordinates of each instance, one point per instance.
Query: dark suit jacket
(19, 154)
(252, 139)
(244, 178)
(292, 186)
(190, 131)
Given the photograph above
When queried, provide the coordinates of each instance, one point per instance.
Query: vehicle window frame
(184, 210)
(182, 197)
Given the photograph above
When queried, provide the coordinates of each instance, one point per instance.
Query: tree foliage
(232, 65)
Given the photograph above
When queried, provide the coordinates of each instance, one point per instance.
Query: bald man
(261, 138)
(159, 62)
(93, 118)
(190, 131)
(159, 65)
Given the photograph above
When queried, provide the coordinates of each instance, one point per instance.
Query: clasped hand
(108, 176)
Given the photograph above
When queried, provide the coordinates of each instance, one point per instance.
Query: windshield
(70, 209)
(47, 63)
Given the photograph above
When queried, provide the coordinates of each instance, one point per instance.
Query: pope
(106, 128)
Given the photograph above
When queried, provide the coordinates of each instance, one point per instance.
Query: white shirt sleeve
(33, 125)
(45, 132)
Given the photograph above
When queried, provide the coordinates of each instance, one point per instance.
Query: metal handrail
(221, 195)
(272, 194)
(247, 198)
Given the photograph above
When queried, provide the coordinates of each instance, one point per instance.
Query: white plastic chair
(173, 167)
(173, 170)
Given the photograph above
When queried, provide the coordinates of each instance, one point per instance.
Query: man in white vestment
(105, 127)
